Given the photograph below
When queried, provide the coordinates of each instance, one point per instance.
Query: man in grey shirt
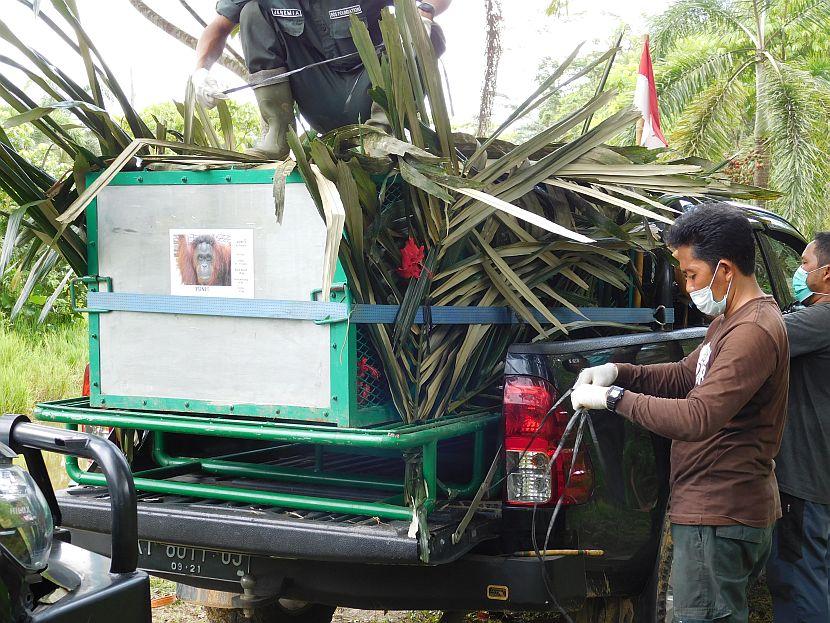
(798, 571)
(280, 36)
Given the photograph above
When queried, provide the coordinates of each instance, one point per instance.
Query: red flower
(412, 260)
(365, 369)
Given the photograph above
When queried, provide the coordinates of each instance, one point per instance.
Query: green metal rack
(415, 495)
(358, 417)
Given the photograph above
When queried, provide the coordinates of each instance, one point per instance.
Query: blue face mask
(800, 288)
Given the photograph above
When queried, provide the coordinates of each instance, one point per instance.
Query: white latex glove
(207, 88)
(604, 375)
(589, 397)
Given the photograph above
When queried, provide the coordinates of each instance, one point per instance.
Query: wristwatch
(426, 7)
(612, 397)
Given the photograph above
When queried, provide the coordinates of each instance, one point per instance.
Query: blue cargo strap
(360, 314)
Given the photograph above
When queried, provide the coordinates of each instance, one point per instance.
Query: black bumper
(474, 582)
(340, 561)
(99, 593)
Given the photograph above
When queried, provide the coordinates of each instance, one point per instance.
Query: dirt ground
(181, 612)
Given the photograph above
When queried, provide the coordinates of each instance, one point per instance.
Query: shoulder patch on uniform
(286, 12)
(345, 12)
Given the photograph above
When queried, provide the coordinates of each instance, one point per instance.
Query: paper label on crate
(212, 262)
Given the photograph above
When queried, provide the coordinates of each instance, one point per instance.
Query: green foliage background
(708, 103)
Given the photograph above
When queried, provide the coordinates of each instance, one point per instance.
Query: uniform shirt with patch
(322, 25)
(724, 408)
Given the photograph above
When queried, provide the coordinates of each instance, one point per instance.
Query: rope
(284, 76)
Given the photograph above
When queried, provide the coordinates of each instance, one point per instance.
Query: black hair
(715, 231)
(822, 241)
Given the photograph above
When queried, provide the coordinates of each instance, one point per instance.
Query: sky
(154, 68)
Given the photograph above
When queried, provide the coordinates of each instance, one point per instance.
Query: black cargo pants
(328, 96)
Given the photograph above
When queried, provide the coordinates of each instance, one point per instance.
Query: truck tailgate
(279, 532)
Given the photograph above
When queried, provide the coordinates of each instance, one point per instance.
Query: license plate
(194, 561)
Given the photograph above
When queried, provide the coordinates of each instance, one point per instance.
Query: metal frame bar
(421, 438)
(77, 411)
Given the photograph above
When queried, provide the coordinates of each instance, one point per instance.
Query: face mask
(800, 288)
(705, 301)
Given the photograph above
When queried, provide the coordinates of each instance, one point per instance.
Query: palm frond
(685, 73)
(797, 106)
(685, 18)
(496, 232)
(709, 127)
(800, 17)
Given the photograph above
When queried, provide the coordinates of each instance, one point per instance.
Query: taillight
(531, 439)
(581, 485)
(85, 388)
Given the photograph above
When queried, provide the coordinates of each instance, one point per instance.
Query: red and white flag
(645, 100)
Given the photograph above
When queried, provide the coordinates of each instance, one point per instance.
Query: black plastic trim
(604, 343)
(99, 594)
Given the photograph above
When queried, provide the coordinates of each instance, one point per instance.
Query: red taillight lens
(527, 401)
(581, 485)
(531, 436)
(85, 388)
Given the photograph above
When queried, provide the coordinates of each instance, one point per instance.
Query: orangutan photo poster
(212, 262)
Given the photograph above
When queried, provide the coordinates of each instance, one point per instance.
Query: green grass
(40, 363)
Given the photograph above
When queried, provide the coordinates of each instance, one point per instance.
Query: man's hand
(604, 375)
(208, 91)
(589, 397)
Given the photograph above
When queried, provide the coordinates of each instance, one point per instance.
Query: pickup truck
(604, 552)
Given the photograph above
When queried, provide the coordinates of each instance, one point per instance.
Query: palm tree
(746, 75)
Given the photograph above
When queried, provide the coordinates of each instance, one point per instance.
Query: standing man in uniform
(723, 406)
(284, 35)
(798, 571)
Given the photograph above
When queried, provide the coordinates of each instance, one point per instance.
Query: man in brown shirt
(724, 408)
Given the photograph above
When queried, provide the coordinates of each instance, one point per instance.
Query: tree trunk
(762, 160)
(761, 132)
(492, 54)
(190, 41)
